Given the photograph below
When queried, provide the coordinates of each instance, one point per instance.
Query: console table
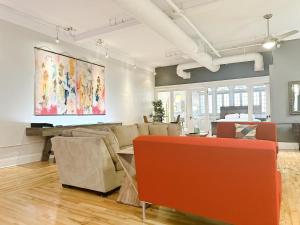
(49, 132)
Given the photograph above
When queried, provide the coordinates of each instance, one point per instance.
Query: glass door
(165, 97)
(261, 110)
(199, 113)
(179, 107)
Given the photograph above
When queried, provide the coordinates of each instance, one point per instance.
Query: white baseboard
(288, 146)
(20, 154)
(19, 160)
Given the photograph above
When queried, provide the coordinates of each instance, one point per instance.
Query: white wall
(129, 92)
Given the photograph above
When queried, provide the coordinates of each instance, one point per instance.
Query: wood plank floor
(31, 194)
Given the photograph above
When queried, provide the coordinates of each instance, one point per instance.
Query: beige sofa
(127, 133)
(86, 158)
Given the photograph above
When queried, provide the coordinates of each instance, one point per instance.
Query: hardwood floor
(31, 194)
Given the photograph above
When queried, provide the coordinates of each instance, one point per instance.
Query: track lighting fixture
(57, 35)
(100, 44)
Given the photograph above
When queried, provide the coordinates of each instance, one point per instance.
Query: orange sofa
(229, 180)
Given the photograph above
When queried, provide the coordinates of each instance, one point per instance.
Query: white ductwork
(151, 15)
(256, 57)
(187, 66)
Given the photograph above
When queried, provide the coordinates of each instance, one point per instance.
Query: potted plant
(159, 111)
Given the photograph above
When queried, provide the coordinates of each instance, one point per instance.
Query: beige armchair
(85, 162)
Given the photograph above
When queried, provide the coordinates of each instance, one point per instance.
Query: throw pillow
(245, 131)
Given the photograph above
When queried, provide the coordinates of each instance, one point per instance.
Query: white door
(180, 107)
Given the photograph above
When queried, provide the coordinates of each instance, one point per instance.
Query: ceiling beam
(107, 29)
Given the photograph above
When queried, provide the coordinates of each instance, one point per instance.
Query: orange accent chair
(264, 130)
(230, 180)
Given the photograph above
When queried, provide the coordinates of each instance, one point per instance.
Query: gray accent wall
(168, 76)
(286, 67)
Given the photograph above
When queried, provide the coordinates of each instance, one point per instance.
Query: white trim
(212, 84)
(288, 146)
(19, 160)
(188, 88)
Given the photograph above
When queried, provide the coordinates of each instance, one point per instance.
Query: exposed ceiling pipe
(186, 66)
(151, 15)
(189, 22)
(256, 57)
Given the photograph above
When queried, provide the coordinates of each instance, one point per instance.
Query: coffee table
(197, 134)
(128, 193)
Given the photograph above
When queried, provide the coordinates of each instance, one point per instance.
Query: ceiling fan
(271, 41)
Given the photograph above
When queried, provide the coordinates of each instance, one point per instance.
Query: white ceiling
(225, 23)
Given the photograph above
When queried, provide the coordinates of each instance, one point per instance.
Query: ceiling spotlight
(134, 66)
(106, 55)
(154, 73)
(57, 34)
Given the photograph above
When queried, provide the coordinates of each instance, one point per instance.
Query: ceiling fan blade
(288, 34)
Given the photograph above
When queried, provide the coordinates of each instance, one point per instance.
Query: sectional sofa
(86, 158)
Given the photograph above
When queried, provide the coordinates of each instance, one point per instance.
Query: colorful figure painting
(68, 86)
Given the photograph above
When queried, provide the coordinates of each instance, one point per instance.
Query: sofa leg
(144, 210)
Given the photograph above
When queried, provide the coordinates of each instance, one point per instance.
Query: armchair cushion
(158, 129)
(174, 129)
(143, 128)
(125, 134)
(67, 133)
(109, 139)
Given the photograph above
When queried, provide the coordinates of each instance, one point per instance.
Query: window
(237, 99)
(256, 98)
(240, 95)
(222, 98)
(260, 102)
(198, 103)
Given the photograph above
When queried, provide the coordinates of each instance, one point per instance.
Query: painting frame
(57, 85)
